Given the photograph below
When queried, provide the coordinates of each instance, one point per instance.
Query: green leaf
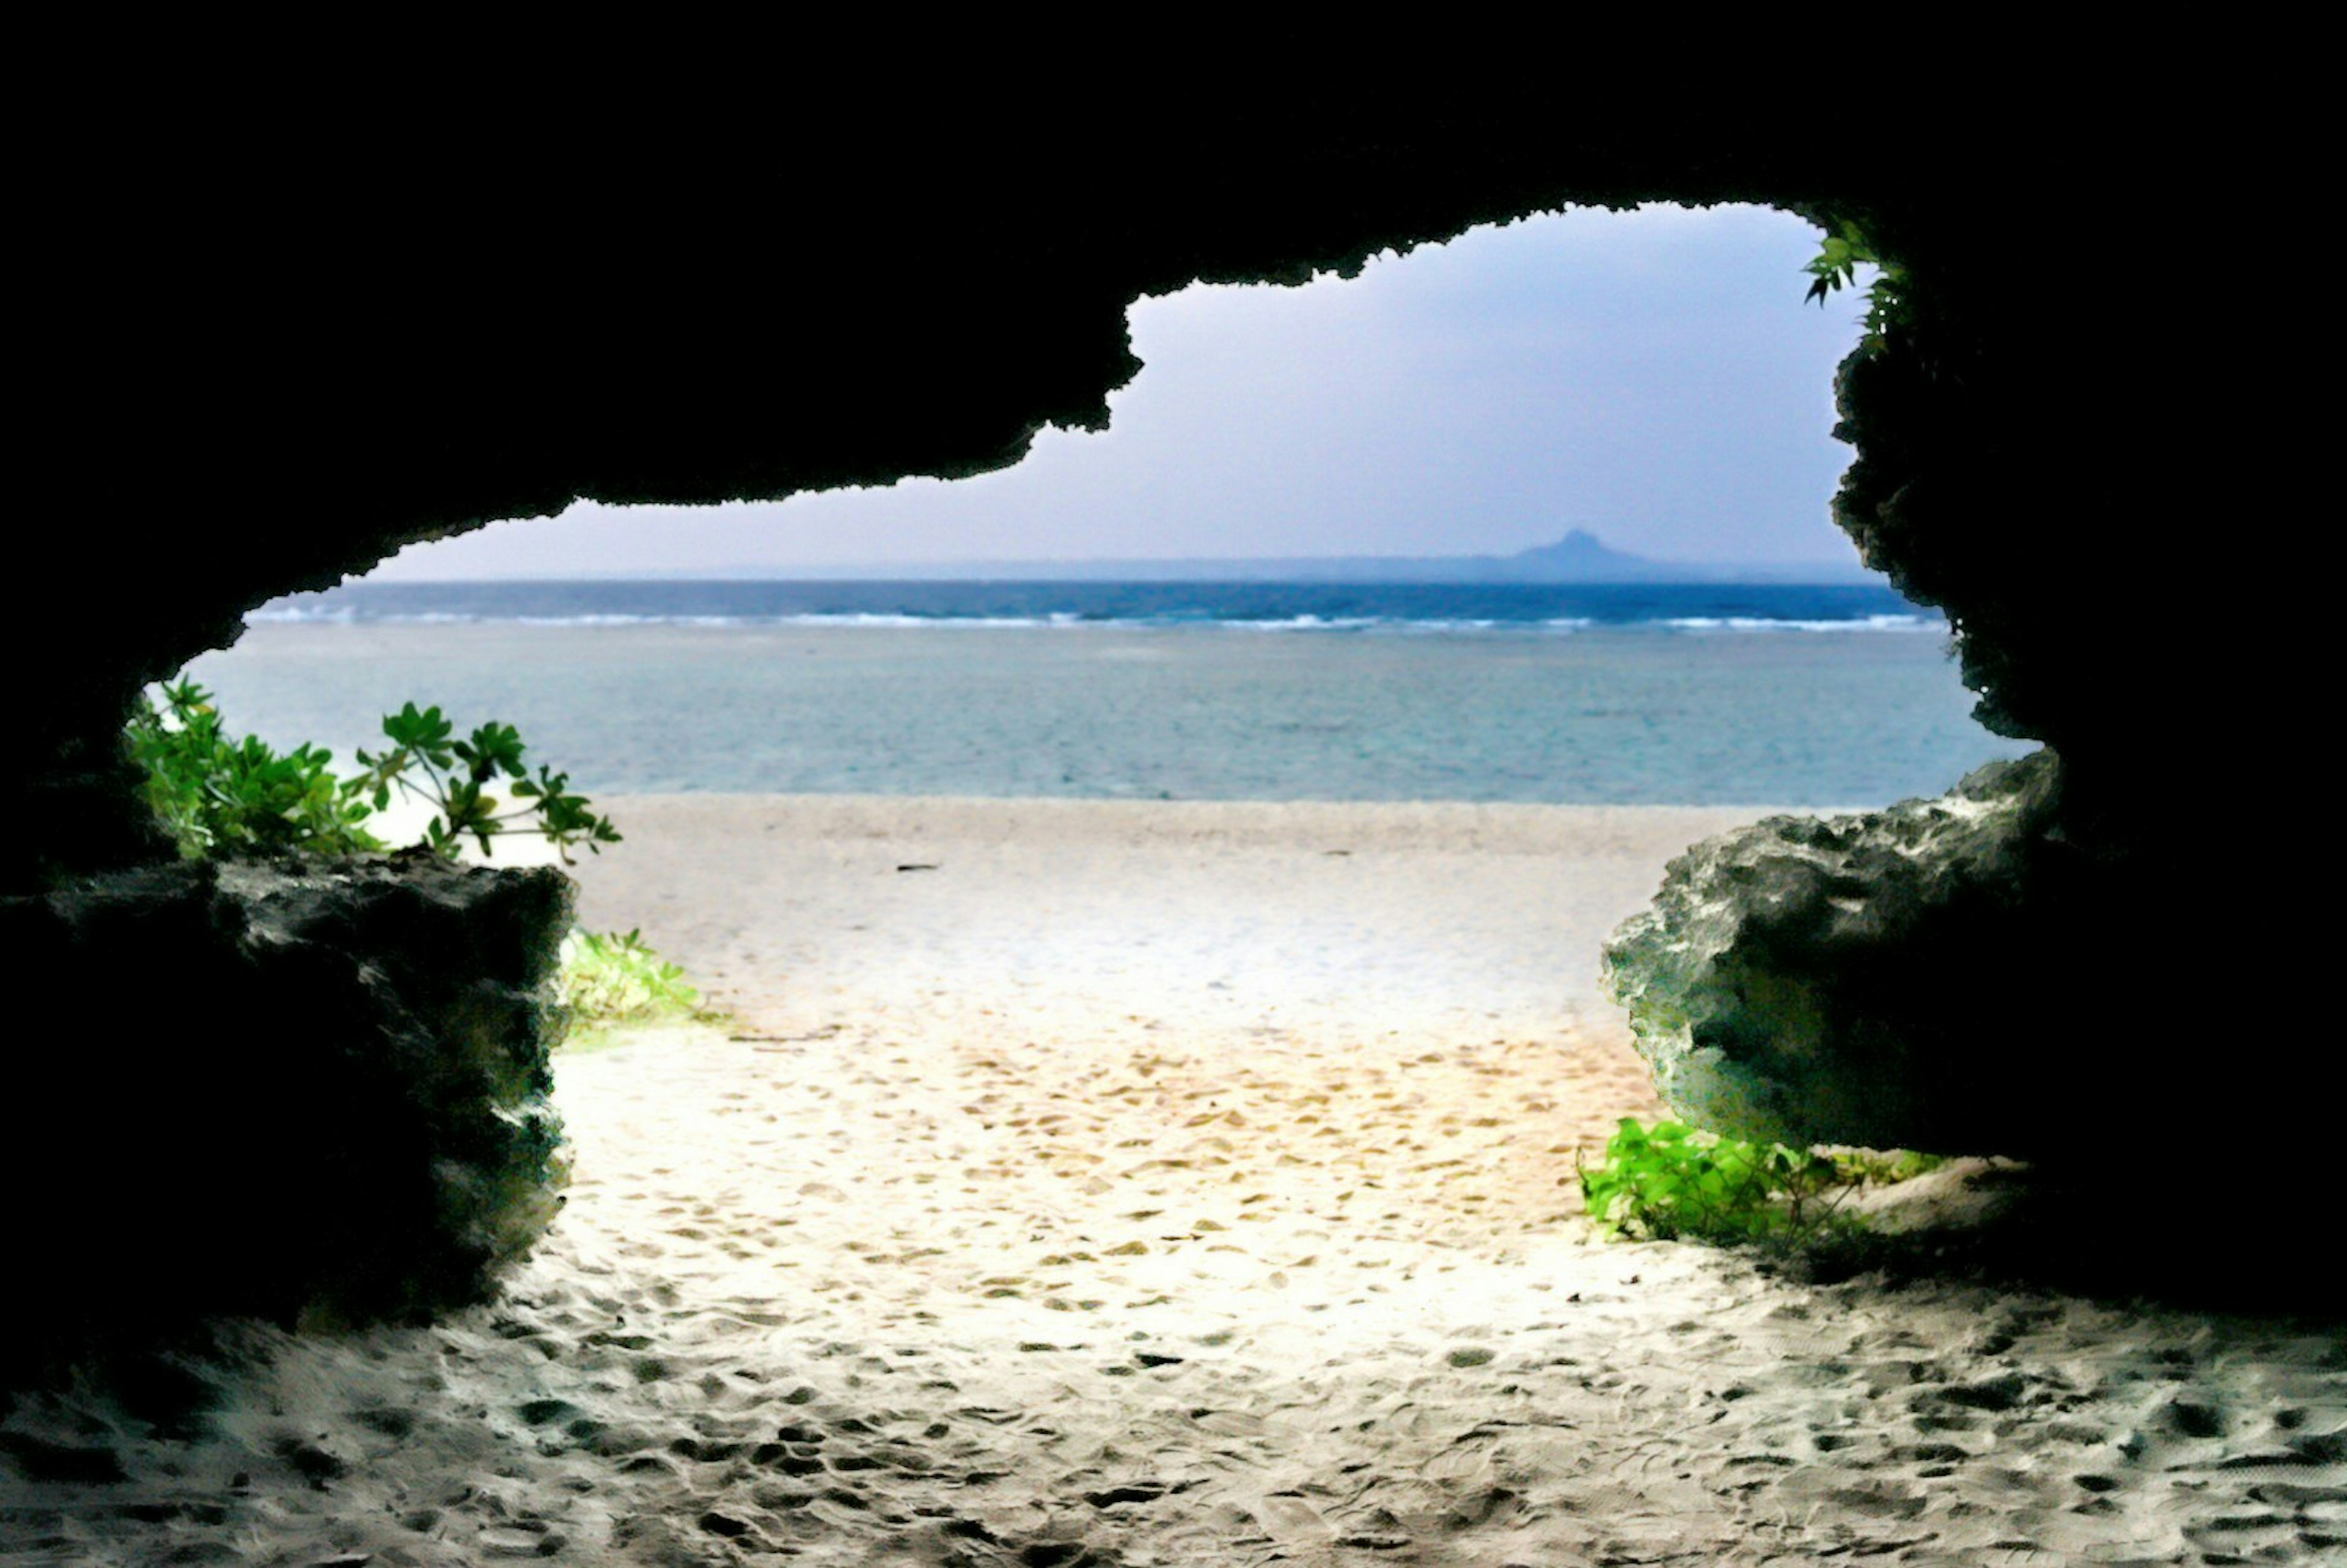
(215, 792)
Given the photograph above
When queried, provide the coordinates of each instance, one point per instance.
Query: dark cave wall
(272, 353)
(1998, 472)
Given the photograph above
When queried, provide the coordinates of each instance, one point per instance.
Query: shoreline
(1080, 934)
(1450, 919)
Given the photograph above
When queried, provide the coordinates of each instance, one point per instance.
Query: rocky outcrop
(1951, 974)
(305, 1091)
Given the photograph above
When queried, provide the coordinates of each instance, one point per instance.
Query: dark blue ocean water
(1644, 693)
(1300, 605)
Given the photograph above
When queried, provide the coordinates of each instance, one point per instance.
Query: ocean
(1661, 693)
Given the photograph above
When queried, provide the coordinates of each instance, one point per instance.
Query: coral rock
(296, 1091)
(1946, 974)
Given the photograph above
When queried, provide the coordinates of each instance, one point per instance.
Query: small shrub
(216, 794)
(428, 762)
(611, 980)
(219, 795)
(1672, 1181)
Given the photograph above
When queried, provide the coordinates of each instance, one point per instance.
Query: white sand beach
(1105, 1184)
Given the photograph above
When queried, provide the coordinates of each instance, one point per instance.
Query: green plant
(1845, 249)
(219, 794)
(427, 761)
(1672, 1181)
(606, 980)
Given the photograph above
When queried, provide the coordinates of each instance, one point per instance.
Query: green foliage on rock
(1671, 1182)
(215, 793)
(220, 794)
(1845, 249)
(225, 796)
(426, 759)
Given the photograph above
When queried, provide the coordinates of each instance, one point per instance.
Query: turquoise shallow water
(1613, 716)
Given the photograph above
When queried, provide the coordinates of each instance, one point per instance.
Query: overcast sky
(1652, 376)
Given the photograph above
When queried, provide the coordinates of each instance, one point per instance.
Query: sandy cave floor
(1151, 1227)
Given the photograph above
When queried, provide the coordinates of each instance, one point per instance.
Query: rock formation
(1851, 980)
(300, 1091)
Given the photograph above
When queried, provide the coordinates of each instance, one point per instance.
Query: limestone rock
(291, 1090)
(1946, 975)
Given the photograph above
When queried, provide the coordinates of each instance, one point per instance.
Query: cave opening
(1473, 380)
(925, 792)
(1645, 366)
(670, 1387)
(1081, 1112)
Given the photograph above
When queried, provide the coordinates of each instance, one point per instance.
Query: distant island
(1579, 557)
